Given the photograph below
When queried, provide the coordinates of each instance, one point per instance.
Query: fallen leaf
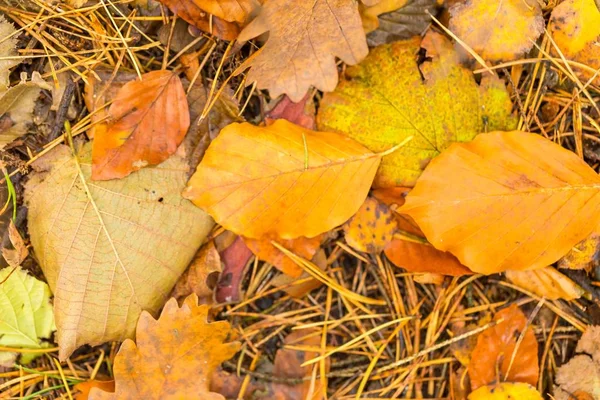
(173, 357)
(84, 388)
(202, 275)
(575, 27)
(497, 206)
(497, 31)
(372, 228)
(281, 179)
(227, 10)
(429, 278)
(369, 15)
(584, 255)
(14, 257)
(506, 391)
(495, 351)
(25, 312)
(235, 258)
(150, 117)
(301, 246)
(304, 39)
(437, 102)
(305, 283)
(97, 243)
(546, 282)
(8, 49)
(301, 113)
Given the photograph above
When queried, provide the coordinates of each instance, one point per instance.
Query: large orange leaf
(173, 357)
(497, 204)
(282, 179)
(493, 353)
(149, 119)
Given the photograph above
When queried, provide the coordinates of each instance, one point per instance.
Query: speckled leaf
(388, 97)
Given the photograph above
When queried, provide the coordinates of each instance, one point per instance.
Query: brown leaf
(546, 282)
(496, 347)
(235, 259)
(304, 39)
(282, 179)
(150, 117)
(173, 357)
(372, 228)
(496, 205)
(202, 275)
(301, 113)
(584, 255)
(19, 254)
(301, 246)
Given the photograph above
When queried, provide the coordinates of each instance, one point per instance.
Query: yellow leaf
(498, 30)
(546, 282)
(584, 255)
(506, 391)
(497, 205)
(388, 98)
(371, 228)
(281, 179)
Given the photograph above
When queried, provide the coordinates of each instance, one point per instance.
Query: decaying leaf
(8, 49)
(372, 228)
(202, 275)
(149, 118)
(173, 357)
(496, 350)
(506, 391)
(437, 103)
(97, 243)
(584, 255)
(498, 30)
(301, 246)
(304, 39)
(575, 27)
(25, 312)
(496, 205)
(15, 256)
(582, 372)
(546, 282)
(281, 179)
(235, 259)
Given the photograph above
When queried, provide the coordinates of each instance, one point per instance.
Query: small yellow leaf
(546, 282)
(506, 391)
(584, 255)
(371, 228)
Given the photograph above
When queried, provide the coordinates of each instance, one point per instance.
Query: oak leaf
(281, 179)
(496, 205)
(575, 27)
(506, 391)
(371, 228)
(497, 349)
(437, 102)
(546, 282)
(96, 242)
(304, 39)
(498, 30)
(149, 119)
(173, 357)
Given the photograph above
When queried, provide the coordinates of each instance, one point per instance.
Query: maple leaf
(281, 179)
(497, 350)
(173, 357)
(149, 119)
(506, 391)
(546, 282)
(304, 39)
(497, 30)
(496, 205)
(97, 242)
(437, 103)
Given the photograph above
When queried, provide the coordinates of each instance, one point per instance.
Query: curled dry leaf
(304, 39)
(575, 27)
(546, 282)
(149, 119)
(14, 257)
(202, 275)
(372, 228)
(173, 357)
(282, 180)
(96, 242)
(584, 255)
(301, 246)
(497, 349)
(496, 30)
(506, 391)
(496, 205)
(437, 102)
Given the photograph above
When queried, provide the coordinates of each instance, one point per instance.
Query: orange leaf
(494, 351)
(228, 10)
(302, 246)
(371, 228)
(497, 205)
(281, 179)
(174, 358)
(85, 388)
(150, 118)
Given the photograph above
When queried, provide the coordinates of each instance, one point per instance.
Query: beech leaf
(546, 282)
(149, 119)
(388, 97)
(371, 228)
(281, 179)
(173, 357)
(506, 391)
(97, 243)
(497, 205)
